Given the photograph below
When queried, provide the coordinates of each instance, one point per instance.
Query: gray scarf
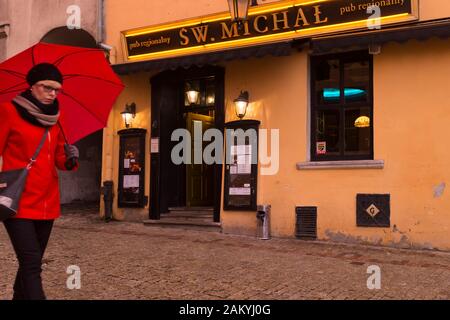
(44, 119)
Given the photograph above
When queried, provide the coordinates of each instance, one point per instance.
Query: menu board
(132, 165)
(241, 172)
(239, 186)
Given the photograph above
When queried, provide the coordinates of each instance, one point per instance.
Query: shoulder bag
(12, 183)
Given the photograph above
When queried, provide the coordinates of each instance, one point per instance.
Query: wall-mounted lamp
(241, 104)
(239, 10)
(129, 114)
(374, 48)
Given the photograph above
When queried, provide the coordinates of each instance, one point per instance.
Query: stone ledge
(353, 164)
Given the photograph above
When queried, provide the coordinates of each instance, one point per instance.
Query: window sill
(353, 164)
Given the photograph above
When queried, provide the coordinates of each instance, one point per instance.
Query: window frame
(342, 106)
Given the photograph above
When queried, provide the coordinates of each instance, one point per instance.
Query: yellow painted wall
(278, 91)
(411, 116)
(138, 90)
(434, 9)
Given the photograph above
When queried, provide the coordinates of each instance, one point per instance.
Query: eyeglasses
(49, 89)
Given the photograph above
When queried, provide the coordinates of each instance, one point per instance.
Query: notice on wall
(244, 164)
(126, 164)
(130, 181)
(242, 159)
(241, 150)
(321, 147)
(154, 145)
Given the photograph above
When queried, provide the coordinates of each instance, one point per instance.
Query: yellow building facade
(402, 71)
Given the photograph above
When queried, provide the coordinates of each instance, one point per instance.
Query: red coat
(19, 140)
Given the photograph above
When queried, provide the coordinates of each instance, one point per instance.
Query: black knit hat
(44, 71)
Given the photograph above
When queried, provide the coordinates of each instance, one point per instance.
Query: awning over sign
(420, 31)
(276, 49)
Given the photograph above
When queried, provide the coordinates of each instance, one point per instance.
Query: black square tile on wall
(373, 210)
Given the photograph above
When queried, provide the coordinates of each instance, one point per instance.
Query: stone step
(185, 224)
(188, 214)
(193, 209)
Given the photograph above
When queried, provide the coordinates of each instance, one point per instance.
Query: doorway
(190, 99)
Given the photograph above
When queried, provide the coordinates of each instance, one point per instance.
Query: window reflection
(327, 132)
(200, 92)
(357, 131)
(327, 82)
(356, 81)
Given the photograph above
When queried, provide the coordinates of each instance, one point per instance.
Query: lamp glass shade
(241, 108)
(192, 96)
(127, 118)
(238, 9)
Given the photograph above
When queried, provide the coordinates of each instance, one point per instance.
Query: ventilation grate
(306, 224)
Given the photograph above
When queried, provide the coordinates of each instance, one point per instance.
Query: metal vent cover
(373, 210)
(306, 223)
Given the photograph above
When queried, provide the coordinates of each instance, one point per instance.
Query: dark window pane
(327, 82)
(356, 81)
(327, 135)
(358, 131)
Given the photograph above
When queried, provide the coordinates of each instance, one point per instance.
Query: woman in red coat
(23, 123)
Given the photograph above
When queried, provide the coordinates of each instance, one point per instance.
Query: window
(342, 107)
(205, 88)
(199, 96)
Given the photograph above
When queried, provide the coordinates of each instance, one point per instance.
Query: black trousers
(29, 239)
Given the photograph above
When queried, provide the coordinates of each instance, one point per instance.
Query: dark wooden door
(167, 180)
(199, 177)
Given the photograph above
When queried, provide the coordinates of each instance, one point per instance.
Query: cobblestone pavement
(124, 260)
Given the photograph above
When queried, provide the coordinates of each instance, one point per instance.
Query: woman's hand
(71, 151)
(72, 155)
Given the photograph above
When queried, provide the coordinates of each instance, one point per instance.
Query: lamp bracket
(131, 108)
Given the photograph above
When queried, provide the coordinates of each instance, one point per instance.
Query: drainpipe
(110, 51)
(108, 132)
(108, 197)
(107, 168)
(101, 21)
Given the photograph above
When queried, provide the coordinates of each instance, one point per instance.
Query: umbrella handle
(62, 131)
(73, 160)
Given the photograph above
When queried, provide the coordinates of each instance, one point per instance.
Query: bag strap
(41, 144)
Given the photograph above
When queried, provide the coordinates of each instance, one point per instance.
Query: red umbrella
(90, 86)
